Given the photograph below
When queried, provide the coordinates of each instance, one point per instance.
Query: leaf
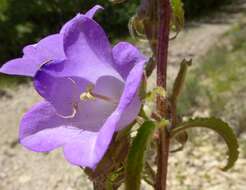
(176, 91)
(135, 160)
(221, 128)
(179, 81)
(178, 14)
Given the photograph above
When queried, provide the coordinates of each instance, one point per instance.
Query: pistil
(89, 95)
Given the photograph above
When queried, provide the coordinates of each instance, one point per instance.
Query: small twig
(150, 171)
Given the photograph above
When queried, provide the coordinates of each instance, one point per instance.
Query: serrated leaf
(222, 128)
(135, 160)
(178, 14)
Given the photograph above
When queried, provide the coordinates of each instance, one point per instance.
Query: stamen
(72, 80)
(69, 116)
(89, 95)
(44, 63)
(105, 98)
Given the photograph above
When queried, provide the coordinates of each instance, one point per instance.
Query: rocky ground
(195, 168)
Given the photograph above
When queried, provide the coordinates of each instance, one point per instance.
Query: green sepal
(222, 128)
(135, 161)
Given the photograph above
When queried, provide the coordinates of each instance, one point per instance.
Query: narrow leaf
(135, 160)
(179, 81)
(221, 128)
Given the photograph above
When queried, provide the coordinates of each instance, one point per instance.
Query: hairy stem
(164, 13)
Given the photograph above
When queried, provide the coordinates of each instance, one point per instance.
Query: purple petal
(104, 137)
(42, 130)
(119, 116)
(89, 151)
(130, 113)
(81, 149)
(90, 14)
(92, 114)
(125, 57)
(88, 50)
(62, 92)
(36, 125)
(132, 84)
(20, 66)
(129, 103)
(49, 48)
(93, 11)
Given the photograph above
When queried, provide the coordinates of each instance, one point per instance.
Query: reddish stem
(162, 106)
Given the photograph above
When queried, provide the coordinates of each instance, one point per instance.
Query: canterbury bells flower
(90, 90)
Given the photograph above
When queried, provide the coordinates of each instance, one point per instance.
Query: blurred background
(214, 36)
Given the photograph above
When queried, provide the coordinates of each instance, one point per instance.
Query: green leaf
(135, 160)
(221, 128)
(178, 14)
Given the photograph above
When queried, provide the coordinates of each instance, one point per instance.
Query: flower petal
(42, 130)
(88, 50)
(20, 66)
(115, 120)
(89, 150)
(49, 48)
(80, 150)
(90, 14)
(92, 114)
(130, 113)
(93, 11)
(37, 124)
(125, 57)
(132, 84)
(62, 92)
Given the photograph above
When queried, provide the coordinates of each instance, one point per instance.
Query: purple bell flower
(90, 90)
